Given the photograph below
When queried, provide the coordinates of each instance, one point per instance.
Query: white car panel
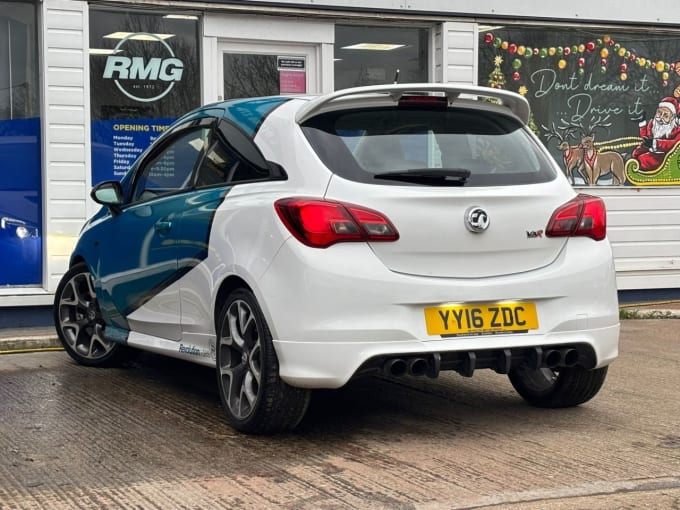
(340, 293)
(433, 239)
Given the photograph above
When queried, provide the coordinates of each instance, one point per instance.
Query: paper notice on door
(292, 82)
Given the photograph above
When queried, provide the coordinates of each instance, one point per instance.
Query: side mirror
(110, 194)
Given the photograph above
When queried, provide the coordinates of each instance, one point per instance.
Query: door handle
(162, 226)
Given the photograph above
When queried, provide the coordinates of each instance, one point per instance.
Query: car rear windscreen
(428, 146)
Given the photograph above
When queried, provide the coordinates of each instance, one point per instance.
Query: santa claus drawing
(659, 135)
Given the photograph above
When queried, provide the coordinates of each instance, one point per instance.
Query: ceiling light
(488, 28)
(103, 51)
(138, 36)
(373, 46)
(180, 16)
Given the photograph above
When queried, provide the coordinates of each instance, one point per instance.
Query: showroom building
(86, 86)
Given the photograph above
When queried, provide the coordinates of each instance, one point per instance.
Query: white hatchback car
(298, 242)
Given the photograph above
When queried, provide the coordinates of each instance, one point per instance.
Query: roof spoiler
(517, 104)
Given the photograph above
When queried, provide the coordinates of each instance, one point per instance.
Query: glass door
(248, 70)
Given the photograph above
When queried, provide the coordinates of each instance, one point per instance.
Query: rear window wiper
(430, 176)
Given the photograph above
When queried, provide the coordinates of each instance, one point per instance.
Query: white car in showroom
(296, 243)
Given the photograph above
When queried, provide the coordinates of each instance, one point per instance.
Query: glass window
(171, 170)
(376, 55)
(250, 75)
(144, 74)
(219, 163)
(228, 162)
(254, 75)
(383, 145)
(595, 97)
(20, 165)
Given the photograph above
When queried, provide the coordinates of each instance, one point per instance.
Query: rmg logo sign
(168, 69)
(121, 68)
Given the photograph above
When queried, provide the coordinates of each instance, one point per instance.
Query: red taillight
(321, 223)
(584, 215)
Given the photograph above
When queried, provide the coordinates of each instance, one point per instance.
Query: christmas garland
(605, 46)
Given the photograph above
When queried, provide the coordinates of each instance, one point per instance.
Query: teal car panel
(145, 260)
(142, 250)
(248, 114)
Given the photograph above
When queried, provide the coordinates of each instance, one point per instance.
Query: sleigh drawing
(668, 172)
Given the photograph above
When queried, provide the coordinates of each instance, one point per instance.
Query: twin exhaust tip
(416, 366)
(430, 364)
(561, 358)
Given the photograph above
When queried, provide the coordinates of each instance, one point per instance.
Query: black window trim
(276, 172)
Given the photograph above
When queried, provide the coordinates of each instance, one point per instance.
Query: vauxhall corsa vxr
(296, 243)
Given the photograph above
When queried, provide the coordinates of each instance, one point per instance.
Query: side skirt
(175, 349)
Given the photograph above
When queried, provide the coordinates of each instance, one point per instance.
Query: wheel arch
(228, 285)
(77, 259)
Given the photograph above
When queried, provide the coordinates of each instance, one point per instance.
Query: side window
(232, 158)
(171, 169)
(218, 166)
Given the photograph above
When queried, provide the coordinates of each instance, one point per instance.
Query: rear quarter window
(361, 144)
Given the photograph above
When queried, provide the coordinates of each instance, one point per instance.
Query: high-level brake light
(424, 101)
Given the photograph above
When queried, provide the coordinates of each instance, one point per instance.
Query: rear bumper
(333, 312)
(333, 364)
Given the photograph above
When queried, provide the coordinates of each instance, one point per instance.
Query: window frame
(216, 125)
(168, 139)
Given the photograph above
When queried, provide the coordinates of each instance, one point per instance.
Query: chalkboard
(590, 93)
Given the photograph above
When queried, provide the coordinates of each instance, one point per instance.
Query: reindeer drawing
(572, 155)
(598, 164)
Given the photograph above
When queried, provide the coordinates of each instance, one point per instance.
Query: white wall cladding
(66, 133)
(460, 55)
(643, 226)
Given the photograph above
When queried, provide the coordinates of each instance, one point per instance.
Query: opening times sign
(118, 144)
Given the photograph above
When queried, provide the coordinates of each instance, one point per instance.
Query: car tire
(79, 322)
(563, 387)
(253, 395)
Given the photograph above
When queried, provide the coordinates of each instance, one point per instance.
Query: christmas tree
(496, 77)
(532, 125)
(497, 81)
